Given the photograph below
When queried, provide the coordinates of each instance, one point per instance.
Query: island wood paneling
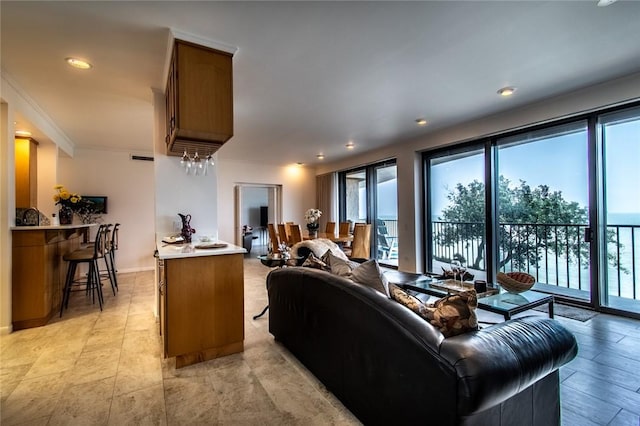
(38, 273)
(203, 309)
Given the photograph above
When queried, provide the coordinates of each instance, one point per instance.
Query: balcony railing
(556, 254)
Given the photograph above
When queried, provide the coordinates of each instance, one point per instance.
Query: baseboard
(130, 270)
(8, 329)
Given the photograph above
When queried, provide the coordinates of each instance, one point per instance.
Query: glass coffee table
(503, 303)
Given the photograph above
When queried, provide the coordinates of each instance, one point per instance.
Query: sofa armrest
(497, 362)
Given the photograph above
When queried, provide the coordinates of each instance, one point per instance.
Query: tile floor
(105, 368)
(95, 368)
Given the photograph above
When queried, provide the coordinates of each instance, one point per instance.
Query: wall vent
(141, 158)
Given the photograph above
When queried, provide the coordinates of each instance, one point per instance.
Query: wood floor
(602, 385)
(93, 367)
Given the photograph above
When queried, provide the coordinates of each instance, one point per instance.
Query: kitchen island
(201, 301)
(38, 270)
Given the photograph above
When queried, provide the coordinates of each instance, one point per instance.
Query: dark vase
(313, 229)
(66, 215)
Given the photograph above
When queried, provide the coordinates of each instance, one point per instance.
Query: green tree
(533, 221)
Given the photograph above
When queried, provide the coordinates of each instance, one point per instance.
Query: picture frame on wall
(99, 202)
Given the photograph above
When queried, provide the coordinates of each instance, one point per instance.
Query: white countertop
(176, 251)
(52, 227)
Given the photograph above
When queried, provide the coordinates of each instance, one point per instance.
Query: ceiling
(311, 76)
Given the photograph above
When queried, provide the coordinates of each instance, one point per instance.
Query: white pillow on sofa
(366, 273)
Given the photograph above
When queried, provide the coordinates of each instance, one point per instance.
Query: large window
(456, 209)
(559, 201)
(369, 195)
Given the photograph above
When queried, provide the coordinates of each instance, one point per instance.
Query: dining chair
(282, 234)
(330, 228)
(361, 245)
(296, 235)
(344, 228)
(273, 237)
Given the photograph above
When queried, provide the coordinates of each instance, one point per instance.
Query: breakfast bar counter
(201, 300)
(38, 271)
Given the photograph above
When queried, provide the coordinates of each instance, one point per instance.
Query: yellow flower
(56, 197)
(58, 186)
(64, 194)
(75, 198)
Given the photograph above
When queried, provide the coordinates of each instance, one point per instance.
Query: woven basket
(515, 282)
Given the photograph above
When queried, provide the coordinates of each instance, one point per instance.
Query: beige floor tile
(192, 398)
(84, 404)
(136, 371)
(32, 399)
(143, 407)
(95, 365)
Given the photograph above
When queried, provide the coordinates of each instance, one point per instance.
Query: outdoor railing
(556, 254)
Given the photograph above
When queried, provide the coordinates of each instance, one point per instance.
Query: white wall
(410, 187)
(129, 186)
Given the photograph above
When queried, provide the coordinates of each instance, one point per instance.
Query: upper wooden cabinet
(199, 99)
(26, 171)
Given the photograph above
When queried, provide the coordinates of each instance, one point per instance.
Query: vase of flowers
(312, 216)
(68, 202)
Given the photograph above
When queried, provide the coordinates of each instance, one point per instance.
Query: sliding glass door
(542, 207)
(369, 195)
(619, 135)
(558, 201)
(456, 209)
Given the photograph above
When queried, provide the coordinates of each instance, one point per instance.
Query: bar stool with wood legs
(89, 256)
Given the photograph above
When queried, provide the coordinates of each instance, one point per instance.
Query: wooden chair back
(344, 228)
(296, 235)
(361, 245)
(282, 234)
(273, 237)
(330, 228)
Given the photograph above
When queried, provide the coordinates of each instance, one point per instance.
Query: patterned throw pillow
(452, 315)
(313, 262)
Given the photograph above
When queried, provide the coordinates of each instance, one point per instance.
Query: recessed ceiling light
(300, 164)
(320, 156)
(603, 3)
(23, 133)
(421, 122)
(78, 63)
(350, 145)
(506, 91)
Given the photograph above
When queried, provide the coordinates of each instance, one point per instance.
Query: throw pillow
(404, 298)
(341, 267)
(368, 273)
(313, 262)
(452, 315)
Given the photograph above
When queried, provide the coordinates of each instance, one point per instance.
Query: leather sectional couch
(389, 366)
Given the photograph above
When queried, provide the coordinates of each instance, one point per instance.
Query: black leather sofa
(389, 366)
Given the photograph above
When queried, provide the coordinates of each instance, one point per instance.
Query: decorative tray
(211, 245)
(451, 286)
(173, 240)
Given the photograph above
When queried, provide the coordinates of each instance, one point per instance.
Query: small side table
(276, 262)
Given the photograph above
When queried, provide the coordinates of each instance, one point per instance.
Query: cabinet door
(204, 92)
(171, 101)
(204, 302)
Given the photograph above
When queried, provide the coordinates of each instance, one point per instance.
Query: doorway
(256, 205)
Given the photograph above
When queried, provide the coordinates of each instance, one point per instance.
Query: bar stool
(113, 246)
(110, 239)
(89, 256)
